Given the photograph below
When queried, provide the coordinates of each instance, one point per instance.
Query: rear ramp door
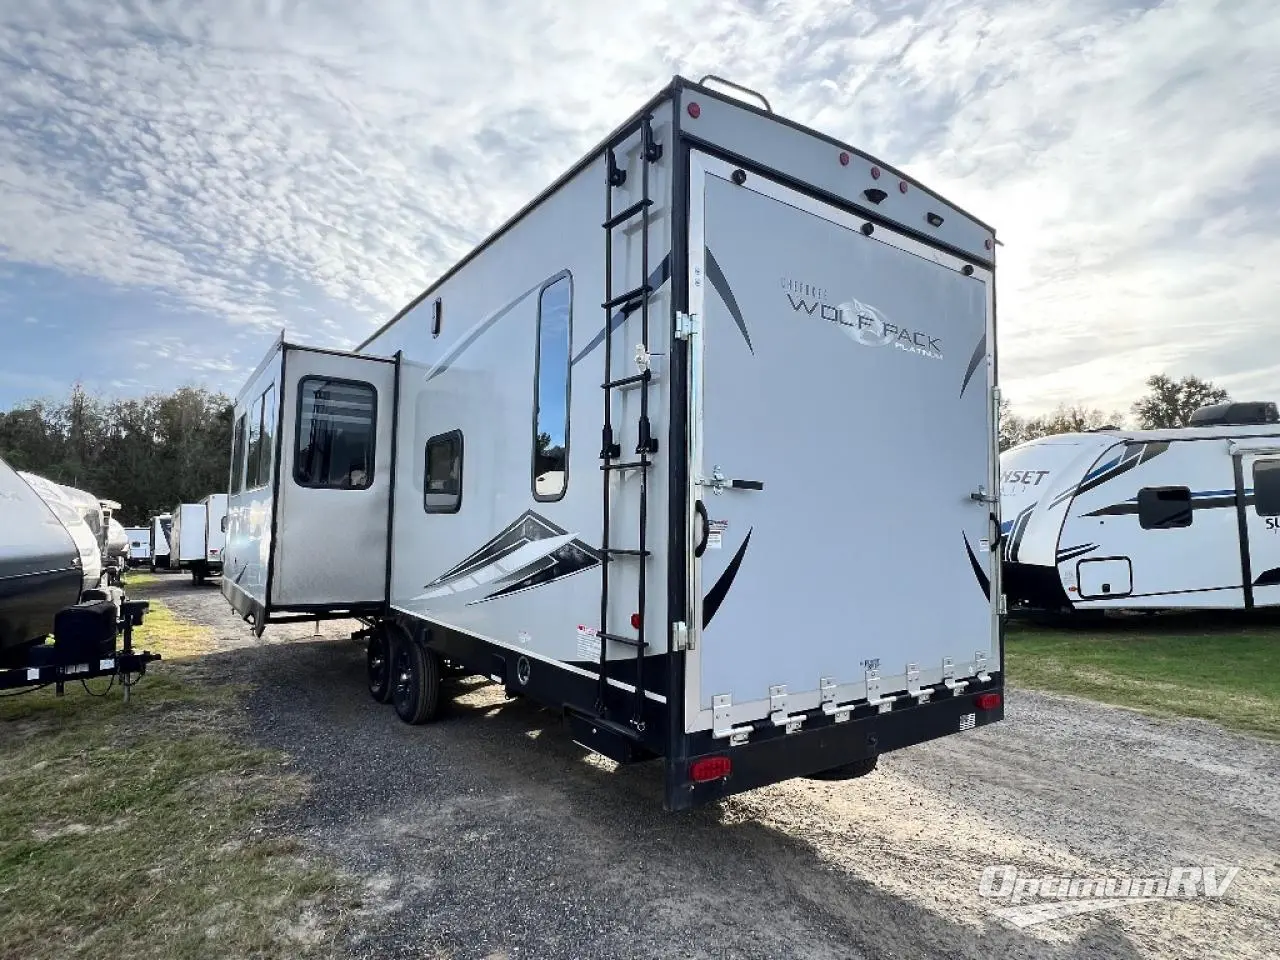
(841, 423)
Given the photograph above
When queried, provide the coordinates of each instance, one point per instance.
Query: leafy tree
(1067, 418)
(1170, 403)
(149, 454)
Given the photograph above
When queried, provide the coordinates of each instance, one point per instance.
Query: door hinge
(681, 636)
(981, 496)
(686, 325)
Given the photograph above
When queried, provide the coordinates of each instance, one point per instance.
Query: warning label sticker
(715, 534)
(588, 643)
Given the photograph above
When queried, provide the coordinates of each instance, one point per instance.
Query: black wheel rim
(405, 680)
(378, 666)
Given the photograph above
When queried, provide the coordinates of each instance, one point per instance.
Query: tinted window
(266, 448)
(336, 426)
(1266, 488)
(237, 457)
(1160, 508)
(254, 444)
(551, 378)
(443, 489)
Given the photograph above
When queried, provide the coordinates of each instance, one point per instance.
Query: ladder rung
(616, 552)
(641, 291)
(626, 214)
(627, 381)
(629, 465)
(629, 641)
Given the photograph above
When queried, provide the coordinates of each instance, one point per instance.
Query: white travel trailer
(198, 536)
(606, 459)
(1147, 520)
(161, 530)
(73, 509)
(139, 545)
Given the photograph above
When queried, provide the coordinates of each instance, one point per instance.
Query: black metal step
(618, 742)
(628, 465)
(626, 214)
(629, 641)
(618, 552)
(641, 291)
(627, 381)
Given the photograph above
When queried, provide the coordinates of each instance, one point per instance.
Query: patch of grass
(140, 578)
(1225, 669)
(131, 829)
(171, 636)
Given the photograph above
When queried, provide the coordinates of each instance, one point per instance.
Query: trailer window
(1266, 488)
(266, 440)
(253, 445)
(337, 420)
(1162, 508)
(237, 456)
(551, 390)
(442, 492)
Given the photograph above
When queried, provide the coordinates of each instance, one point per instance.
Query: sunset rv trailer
(161, 531)
(40, 565)
(574, 465)
(1144, 520)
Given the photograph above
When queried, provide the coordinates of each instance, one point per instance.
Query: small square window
(1163, 508)
(442, 491)
(1266, 488)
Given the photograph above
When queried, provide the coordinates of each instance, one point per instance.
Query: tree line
(1168, 403)
(149, 454)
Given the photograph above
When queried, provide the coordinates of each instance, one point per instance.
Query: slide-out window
(551, 390)
(254, 444)
(337, 423)
(1162, 508)
(1266, 488)
(237, 456)
(442, 492)
(266, 440)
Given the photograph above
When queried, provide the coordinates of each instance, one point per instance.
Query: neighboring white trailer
(1144, 520)
(161, 531)
(191, 547)
(139, 545)
(772, 560)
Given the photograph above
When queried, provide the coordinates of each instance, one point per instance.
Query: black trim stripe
(1070, 553)
(720, 589)
(1268, 578)
(720, 283)
(979, 352)
(978, 572)
(1135, 453)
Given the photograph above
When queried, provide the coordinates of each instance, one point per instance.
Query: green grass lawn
(1221, 667)
(128, 829)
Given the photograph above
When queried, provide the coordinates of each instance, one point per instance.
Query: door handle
(719, 483)
(701, 511)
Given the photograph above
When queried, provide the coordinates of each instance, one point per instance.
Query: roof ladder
(617, 308)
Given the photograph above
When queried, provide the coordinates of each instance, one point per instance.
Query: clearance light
(844, 159)
(635, 621)
(987, 701)
(875, 173)
(710, 768)
(693, 109)
(902, 186)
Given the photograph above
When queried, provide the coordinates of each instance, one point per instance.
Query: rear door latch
(719, 483)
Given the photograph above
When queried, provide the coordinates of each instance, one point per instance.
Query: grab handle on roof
(736, 86)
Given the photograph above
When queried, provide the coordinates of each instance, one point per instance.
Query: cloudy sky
(179, 181)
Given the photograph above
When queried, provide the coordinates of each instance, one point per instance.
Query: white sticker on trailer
(588, 643)
(715, 534)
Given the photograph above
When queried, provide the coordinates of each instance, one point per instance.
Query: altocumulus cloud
(315, 165)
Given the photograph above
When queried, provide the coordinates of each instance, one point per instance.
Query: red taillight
(844, 159)
(987, 701)
(635, 621)
(902, 186)
(710, 768)
(694, 110)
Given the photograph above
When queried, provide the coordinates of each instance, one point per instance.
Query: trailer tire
(847, 771)
(416, 680)
(378, 664)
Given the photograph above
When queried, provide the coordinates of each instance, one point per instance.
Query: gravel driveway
(489, 834)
